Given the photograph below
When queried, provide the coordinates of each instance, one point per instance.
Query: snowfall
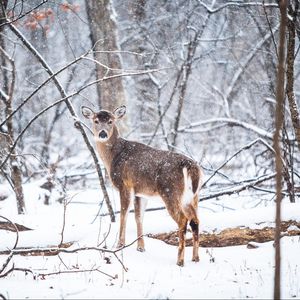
(228, 272)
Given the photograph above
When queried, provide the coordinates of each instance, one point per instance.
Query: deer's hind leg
(195, 229)
(182, 226)
(139, 209)
(174, 207)
(192, 215)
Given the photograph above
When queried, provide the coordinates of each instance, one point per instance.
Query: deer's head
(103, 121)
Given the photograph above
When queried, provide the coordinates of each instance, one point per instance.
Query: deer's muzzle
(103, 135)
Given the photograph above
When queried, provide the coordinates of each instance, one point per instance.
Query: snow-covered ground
(234, 272)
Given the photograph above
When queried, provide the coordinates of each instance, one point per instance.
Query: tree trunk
(186, 72)
(16, 174)
(3, 82)
(280, 93)
(8, 89)
(290, 60)
(104, 39)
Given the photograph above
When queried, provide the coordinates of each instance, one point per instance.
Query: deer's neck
(106, 149)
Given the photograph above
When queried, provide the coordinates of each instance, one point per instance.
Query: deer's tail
(192, 176)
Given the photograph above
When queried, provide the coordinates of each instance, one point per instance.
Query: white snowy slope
(234, 272)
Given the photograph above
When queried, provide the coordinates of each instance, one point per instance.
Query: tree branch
(235, 4)
(11, 252)
(231, 122)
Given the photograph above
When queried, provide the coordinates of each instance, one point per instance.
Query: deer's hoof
(140, 249)
(120, 245)
(180, 263)
(196, 259)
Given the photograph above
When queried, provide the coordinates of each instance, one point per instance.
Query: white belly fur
(149, 197)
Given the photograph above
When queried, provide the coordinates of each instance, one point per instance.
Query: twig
(2, 297)
(75, 271)
(120, 261)
(64, 221)
(24, 251)
(15, 269)
(11, 254)
(270, 28)
(105, 237)
(23, 15)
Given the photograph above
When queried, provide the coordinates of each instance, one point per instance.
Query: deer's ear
(87, 112)
(120, 112)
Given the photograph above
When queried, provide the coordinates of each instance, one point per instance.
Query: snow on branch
(213, 10)
(230, 122)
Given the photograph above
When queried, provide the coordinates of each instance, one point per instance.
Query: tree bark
(105, 41)
(16, 174)
(290, 60)
(3, 83)
(280, 93)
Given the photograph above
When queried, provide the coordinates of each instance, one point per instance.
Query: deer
(139, 172)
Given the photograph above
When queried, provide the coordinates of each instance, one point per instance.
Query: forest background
(197, 77)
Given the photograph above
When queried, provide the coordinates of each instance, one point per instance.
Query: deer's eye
(96, 121)
(109, 122)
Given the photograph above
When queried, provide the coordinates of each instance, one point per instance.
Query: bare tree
(106, 53)
(280, 93)
(7, 91)
(290, 60)
(3, 78)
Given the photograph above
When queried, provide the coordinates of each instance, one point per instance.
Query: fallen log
(13, 226)
(233, 236)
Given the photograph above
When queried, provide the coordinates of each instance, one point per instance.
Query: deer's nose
(103, 134)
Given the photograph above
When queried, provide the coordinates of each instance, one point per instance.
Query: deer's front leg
(139, 209)
(125, 199)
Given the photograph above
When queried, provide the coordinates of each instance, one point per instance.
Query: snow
(229, 272)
